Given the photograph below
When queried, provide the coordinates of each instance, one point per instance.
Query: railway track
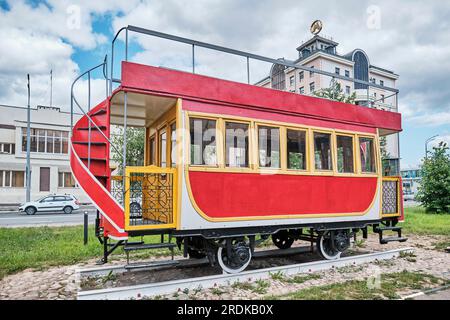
(204, 282)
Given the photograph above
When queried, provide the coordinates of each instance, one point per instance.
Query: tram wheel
(331, 244)
(282, 239)
(238, 260)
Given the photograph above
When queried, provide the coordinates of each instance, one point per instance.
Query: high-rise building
(321, 53)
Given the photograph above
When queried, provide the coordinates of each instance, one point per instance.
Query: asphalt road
(20, 219)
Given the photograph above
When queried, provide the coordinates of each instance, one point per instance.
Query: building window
(391, 167)
(236, 145)
(361, 69)
(12, 179)
(269, 147)
(345, 154)
(337, 70)
(301, 75)
(381, 83)
(311, 73)
(373, 80)
(173, 144)
(347, 73)
(7, 148)
(203, 141)
(296, 149)
(163, 149)
(278, 77)
(291, 81)
(46, 141)
(347, 89)
(152, 151)
(322, 151)
(302, 90)
(311, 87)
(382, 98)
(66, 180)
(367, 154)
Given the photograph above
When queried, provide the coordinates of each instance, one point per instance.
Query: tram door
(158, 182)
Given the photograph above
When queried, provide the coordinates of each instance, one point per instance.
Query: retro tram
(228, 165)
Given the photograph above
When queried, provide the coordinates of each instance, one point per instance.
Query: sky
(412, 38)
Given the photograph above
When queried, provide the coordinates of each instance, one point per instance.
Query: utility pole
(426, 145)
(51, 87)
(28, 144)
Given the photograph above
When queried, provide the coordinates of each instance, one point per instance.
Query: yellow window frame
(307, 151)
(282, 133)
(353, 136)
(332, 148)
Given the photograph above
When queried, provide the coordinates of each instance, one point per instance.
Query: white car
(66, 203)
(408, 196)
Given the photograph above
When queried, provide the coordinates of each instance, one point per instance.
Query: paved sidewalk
(440, 295)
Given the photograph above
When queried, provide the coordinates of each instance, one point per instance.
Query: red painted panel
(188, 85)
(264, 115)
(223, 195)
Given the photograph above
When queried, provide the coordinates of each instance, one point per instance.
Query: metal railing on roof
(247, 55)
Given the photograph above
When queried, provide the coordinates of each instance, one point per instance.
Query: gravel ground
(62, 282)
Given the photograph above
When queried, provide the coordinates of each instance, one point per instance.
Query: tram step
(388, 229)
(391, 239)
(149, 246)
(143, 265)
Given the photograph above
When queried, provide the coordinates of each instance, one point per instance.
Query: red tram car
(228, 165)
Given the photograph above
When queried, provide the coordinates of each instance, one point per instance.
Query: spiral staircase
(89, 160)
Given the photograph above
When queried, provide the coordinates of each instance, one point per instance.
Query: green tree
(335, 92)
(434, 190)
(135, 147)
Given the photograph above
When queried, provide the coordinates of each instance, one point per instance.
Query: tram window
(269, 147)
(367, 154)
(322, 151)
(296, 149)
(173, 144)
(345, 154)
(152, 150)
(203, 141)
(236, 145)
(163, 149)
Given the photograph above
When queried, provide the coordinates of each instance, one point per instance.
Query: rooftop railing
(246, 55)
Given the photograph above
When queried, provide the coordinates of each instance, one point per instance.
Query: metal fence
(391, 196)
(150, 197)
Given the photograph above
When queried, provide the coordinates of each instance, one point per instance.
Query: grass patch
(421, 223)
(298, 279)
(389, 287)
(43, 247)
(408, 256)
(442, 245)
(259, 286)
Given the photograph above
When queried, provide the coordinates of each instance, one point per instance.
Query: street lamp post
(426, 144)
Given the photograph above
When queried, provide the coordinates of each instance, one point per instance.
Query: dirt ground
(63, 283)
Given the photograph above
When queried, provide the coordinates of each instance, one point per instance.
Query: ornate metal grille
(150, 197)
(390, 197)
(117, 188)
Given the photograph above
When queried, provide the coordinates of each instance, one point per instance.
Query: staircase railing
(73, 101)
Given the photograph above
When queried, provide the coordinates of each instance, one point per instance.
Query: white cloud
(37, 39)
(413, 40)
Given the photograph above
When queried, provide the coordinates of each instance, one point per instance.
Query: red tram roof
(197, 87)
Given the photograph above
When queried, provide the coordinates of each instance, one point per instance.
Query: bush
(434, 190)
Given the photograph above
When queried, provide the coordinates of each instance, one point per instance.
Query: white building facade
(49, 156)
(321, 53)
